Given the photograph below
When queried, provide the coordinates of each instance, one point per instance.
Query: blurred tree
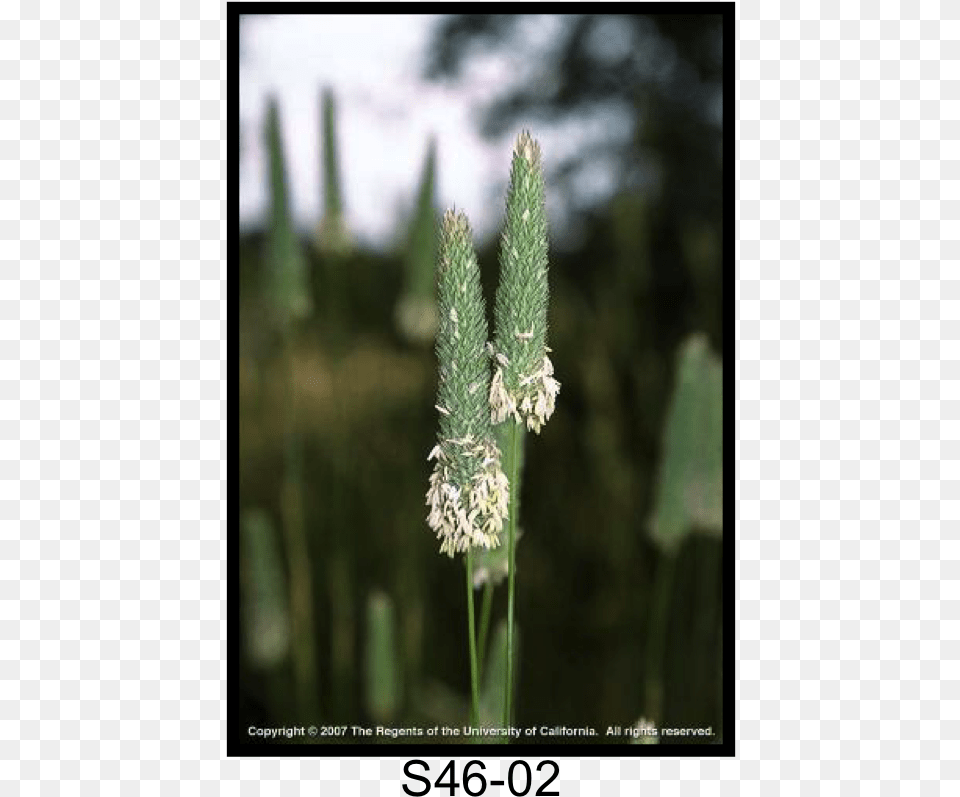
(662, 72)
(665, 70)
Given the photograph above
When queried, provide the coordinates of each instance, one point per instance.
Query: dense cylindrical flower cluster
(468, 514)
(468, 494)
(523, 386)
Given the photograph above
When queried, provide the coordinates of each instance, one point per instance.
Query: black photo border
(239, 744)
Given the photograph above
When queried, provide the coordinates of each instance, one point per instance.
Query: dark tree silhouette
(665, 71)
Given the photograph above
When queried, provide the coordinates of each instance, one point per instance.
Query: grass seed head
(523, 386)
(468, 492)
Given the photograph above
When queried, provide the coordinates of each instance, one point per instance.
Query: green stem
(656, 641)
(708, 599)
(511, 542)
(484, 627)
(474, 687)
(298, 555)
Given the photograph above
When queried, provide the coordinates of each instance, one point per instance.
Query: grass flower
(471, 497)
(468, 493)
(523, 386)
(468, 496)
(523, 391)
(471, 514)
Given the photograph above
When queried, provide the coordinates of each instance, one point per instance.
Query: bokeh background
(356, 132)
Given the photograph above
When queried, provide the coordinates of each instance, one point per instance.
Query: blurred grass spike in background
(287, 290)
(332, 201)
(645, 732)
(333, 238)
(416, 312)
(383, 682)
(266, 616)
(690, 489)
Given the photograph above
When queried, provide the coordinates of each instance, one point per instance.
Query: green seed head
(523, 385)
(287, 283)
(416, 312)
(468, 493)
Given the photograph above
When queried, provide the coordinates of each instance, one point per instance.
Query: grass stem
(484, 627)
(514, 464)
(474, 680)
(298, 554)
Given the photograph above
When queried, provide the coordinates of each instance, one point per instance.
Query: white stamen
(471, 516)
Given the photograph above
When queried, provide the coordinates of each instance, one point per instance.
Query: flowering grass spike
(523, 385)
(468, 494)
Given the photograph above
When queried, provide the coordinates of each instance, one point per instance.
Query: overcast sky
(385, 117)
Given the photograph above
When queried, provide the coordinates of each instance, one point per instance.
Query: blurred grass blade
(711, 511)
(690, 489)
(266, 616)
(286, 285)
(382, 672)
(343, 627)
(416, 312)
(494, 677)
